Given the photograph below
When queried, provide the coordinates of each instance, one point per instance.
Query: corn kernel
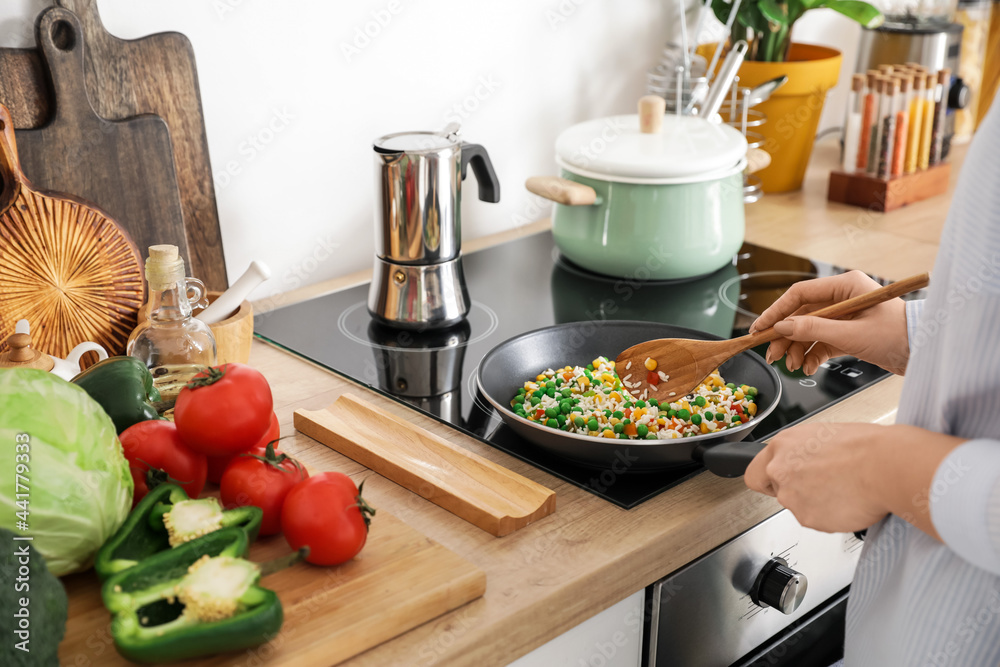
(704, 427)
(738, 395)
(540, 378)
(717, 381)
(615, 396)
(752, 409)
(650, 364)
(613, 421)
(584, 382)
(661, 421)
(609, 434)
(638, 413)
(686, 406)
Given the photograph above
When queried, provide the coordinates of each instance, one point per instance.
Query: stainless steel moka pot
(418, 281)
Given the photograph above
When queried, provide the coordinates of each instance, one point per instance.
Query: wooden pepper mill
(21, 354)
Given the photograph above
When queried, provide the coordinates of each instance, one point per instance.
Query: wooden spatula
(686, 363)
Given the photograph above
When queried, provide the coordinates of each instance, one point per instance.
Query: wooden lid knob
(21, 355)
(651, 110)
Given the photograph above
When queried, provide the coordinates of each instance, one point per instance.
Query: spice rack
(893, 139)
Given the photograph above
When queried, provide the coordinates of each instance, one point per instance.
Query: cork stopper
(944, 75)
(858, 83)
(880, 84)
(893, 86)
(21, 354)
(164, 267)
(913, 65)
(872, 77)
(918, 82)
(930, 80)
(904, 83)
(885, 69)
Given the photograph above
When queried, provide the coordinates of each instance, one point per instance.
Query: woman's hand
(845, 477)
(877, 335)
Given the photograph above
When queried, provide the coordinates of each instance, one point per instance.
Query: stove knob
(779, 586)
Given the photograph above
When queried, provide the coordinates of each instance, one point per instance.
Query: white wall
(294, 91)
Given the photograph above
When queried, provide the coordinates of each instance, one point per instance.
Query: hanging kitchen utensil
(723, 80)
(125, 167)
(65, 265)
(685, 363)
(418, 281)
(763, 92)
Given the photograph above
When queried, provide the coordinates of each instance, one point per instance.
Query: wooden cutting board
(126, 167)
(400, 580)
(155, 74)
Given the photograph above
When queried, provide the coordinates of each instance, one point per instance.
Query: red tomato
(217, 464)
(224, 410)
(326, 513)
(261, 481)
(158, 446)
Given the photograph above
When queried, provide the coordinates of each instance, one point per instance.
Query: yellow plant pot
(793, 110)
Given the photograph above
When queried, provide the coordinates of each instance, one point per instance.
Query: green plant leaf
(859, 11)
(775, 12)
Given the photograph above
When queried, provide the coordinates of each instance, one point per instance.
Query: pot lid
(685, 146)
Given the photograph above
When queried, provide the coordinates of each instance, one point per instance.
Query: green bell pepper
(167, 518)
(124, 388)
(197, 599)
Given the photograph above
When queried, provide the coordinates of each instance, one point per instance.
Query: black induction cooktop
(526, 284)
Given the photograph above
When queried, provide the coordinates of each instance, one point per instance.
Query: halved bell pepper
(167, 518)
(197, 599)
(124, 388)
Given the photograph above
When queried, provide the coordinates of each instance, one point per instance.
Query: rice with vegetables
(594, 401)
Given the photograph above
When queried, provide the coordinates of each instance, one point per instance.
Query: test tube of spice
(902, 105)
(915, 108)
(940, 108)
(875, 142)
(868, 114)
(926, 121)
(885, 70)
(887, 109)
(852, 124)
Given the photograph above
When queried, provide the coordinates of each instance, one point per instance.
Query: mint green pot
(665, 231)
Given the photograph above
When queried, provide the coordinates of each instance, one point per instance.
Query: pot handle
(562, 191)
(729, 459)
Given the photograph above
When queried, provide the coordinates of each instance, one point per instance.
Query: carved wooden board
(155, 74)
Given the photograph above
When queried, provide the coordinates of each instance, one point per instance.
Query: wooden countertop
(552, 575)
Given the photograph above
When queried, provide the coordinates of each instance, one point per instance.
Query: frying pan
(507, 366)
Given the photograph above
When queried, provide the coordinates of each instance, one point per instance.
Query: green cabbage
(79, 489)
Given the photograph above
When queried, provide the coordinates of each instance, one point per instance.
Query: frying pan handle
(729, 459)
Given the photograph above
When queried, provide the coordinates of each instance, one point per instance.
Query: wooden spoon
(686, 363)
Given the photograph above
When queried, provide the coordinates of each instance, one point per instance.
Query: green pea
(655, 403)
(622, 436)
(551, 412)
(567, 393)
(519, 399)
(626, 421)
(578, 420)
(618, 413)
(550, 392)
(642, 430)
(731, 385)
(735, 419)
(696, 419)
(535, 400)
(684, 414)
(559, 382)
(641, 404)
(576, 408)
(564, 407)
(521, 391)
(561, 419)
(607, 413)
(589, 393)
(593, 425)
(700, 401)
(552, 423)
(709, 415)
(672, 413)
(590, 367)
(651, 436)
(752, 391)
(619, 427)
(607, 391)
